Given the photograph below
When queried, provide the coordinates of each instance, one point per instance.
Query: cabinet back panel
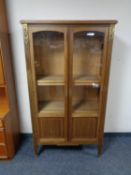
(48, 93)
(87, 54)
(86, 93)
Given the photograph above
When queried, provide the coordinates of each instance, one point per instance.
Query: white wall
(118, 117)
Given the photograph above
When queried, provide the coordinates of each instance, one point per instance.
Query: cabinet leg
(36, 149)
(100, 148)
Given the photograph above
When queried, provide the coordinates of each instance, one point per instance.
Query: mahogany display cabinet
(68, 66)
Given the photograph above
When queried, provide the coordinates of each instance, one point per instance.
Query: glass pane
(85, 101)
(49, 69)
(87, 56)
(50, 100)
(87, 64)
(49, 57)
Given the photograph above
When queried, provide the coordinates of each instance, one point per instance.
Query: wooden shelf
(51, 108)
(86, 80)
(85, 109)
(50, 80)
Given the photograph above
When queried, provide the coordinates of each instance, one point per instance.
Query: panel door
(1, 71)
(87, 61)
(49, 65)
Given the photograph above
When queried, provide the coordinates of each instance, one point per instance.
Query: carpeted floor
(116, 159)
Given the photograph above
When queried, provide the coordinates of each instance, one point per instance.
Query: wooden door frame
(74, 29)
(31, 29)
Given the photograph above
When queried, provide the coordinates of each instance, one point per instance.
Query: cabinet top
(101, 22)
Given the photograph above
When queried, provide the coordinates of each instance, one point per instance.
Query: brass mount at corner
(25, 29)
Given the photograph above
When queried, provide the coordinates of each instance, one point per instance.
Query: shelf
(51, 108)
(50, 80)
(85, 109)
(59, 80)
(86, 80)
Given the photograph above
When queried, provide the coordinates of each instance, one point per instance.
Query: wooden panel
(9, 136)
(1, 124)
(3, 152)
(105, 71)
(3, 19)
(3, 103)
(1, 71)
(51, 128)
(84, 128)
(52, 141)
(2, 137)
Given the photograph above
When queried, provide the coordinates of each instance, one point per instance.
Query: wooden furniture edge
(95, 22)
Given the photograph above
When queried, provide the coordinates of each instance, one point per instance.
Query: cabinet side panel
(26, 31)
(106, 71)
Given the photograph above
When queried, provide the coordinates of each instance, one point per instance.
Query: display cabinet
(68, 69)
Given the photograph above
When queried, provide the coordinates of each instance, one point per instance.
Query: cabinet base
(68, 144)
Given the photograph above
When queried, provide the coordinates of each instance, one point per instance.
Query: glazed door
(49, 65)
(87, 60)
